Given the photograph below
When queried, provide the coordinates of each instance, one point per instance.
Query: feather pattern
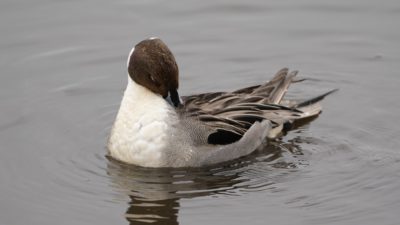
(235, 112)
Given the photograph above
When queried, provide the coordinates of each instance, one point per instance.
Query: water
(63, 71)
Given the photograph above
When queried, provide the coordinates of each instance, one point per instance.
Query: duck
(156, 127)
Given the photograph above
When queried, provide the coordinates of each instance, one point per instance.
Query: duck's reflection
(154, 212)
(155, 193)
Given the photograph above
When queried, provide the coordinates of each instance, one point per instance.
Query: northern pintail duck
(155, 127)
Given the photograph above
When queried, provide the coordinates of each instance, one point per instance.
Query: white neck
(139, 134)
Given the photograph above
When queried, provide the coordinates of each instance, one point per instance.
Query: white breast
(140, 131)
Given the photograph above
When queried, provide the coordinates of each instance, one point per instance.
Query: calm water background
(63, 71)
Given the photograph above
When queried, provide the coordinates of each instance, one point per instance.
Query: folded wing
(231, 114)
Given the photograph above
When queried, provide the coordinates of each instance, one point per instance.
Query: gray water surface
(63, 72)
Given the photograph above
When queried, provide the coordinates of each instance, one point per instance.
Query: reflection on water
(152, 211)
(155, 192)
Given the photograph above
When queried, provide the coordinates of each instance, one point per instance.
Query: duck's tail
(279, 85)
(314, 100)
(309, 109)
(277, 88)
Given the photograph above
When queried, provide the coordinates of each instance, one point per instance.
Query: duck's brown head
(152, 65)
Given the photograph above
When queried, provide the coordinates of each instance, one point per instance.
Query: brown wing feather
(231, 114)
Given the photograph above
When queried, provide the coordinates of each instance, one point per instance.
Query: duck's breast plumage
(139, 134)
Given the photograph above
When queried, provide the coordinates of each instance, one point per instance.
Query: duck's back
(231, 114)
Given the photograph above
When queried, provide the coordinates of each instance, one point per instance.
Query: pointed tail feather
(313, 100)
(311, 107)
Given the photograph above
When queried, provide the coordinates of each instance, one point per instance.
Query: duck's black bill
(173, 98)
